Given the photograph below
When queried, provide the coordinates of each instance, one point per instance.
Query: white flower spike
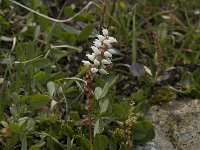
(102, 53)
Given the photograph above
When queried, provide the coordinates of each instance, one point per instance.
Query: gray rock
(177, 126)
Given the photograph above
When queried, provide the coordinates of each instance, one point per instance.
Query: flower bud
(91, 57)
(104, 61)
(112, 51)
(96, 50)
(112, 39)
(102, 71)
(103, 66)
(96, 62)
(105, 32)
(107, 54)
(94, 70)
(86, 63)
(107, 42)
(97, 43)
(101, 37)
(109, 60)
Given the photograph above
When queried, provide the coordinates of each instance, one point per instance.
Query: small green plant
(191, 83)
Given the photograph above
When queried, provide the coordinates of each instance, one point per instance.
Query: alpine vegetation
(102, 53)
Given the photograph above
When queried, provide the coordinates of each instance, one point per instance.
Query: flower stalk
(128, 125)
(88, 90)
(97, 63)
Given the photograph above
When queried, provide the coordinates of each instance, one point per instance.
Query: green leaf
(11, 142)
(196, 76)
(40, 63)
(26, 51)
(162, 32)
(38, 101)
(57, 76)
(98, 92)
(187, 79)
(104, 103)
(121, 110)
(53, 103)
(143, 131)
(70, 29)
(30, 124)
(85, 143)
(112, 143)
(105, 90)
(14, 127)
(68, 131)
(51, 86)
(58, 54)
(74, 115)
(40, 76)
(85, 32)
(37, 32)
(100, 142)
(23, 140)
(34, 148)
(98, 127)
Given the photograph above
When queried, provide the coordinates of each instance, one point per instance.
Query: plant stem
(134, 40)
(103, 12)
(88, 90)
(158, 53)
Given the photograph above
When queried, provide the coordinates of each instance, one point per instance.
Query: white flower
(112, 39)
(96, 50)
(109, 60)
(91, 57)
(102, 53)
(107, 54)
(96, 62)
(105, 32)
(97, 43)
(103, 66)
(112, 51)
(101, 37)
(107, 42)
(94, 70)
(104, 61)
(86, 63)
(102, 71)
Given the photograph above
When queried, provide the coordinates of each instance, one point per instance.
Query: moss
(162, 95)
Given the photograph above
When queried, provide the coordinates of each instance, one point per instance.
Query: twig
(52, 19)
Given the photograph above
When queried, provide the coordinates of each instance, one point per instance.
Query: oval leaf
(38, 101)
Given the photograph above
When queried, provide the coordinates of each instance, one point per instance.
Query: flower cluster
(102, 53)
